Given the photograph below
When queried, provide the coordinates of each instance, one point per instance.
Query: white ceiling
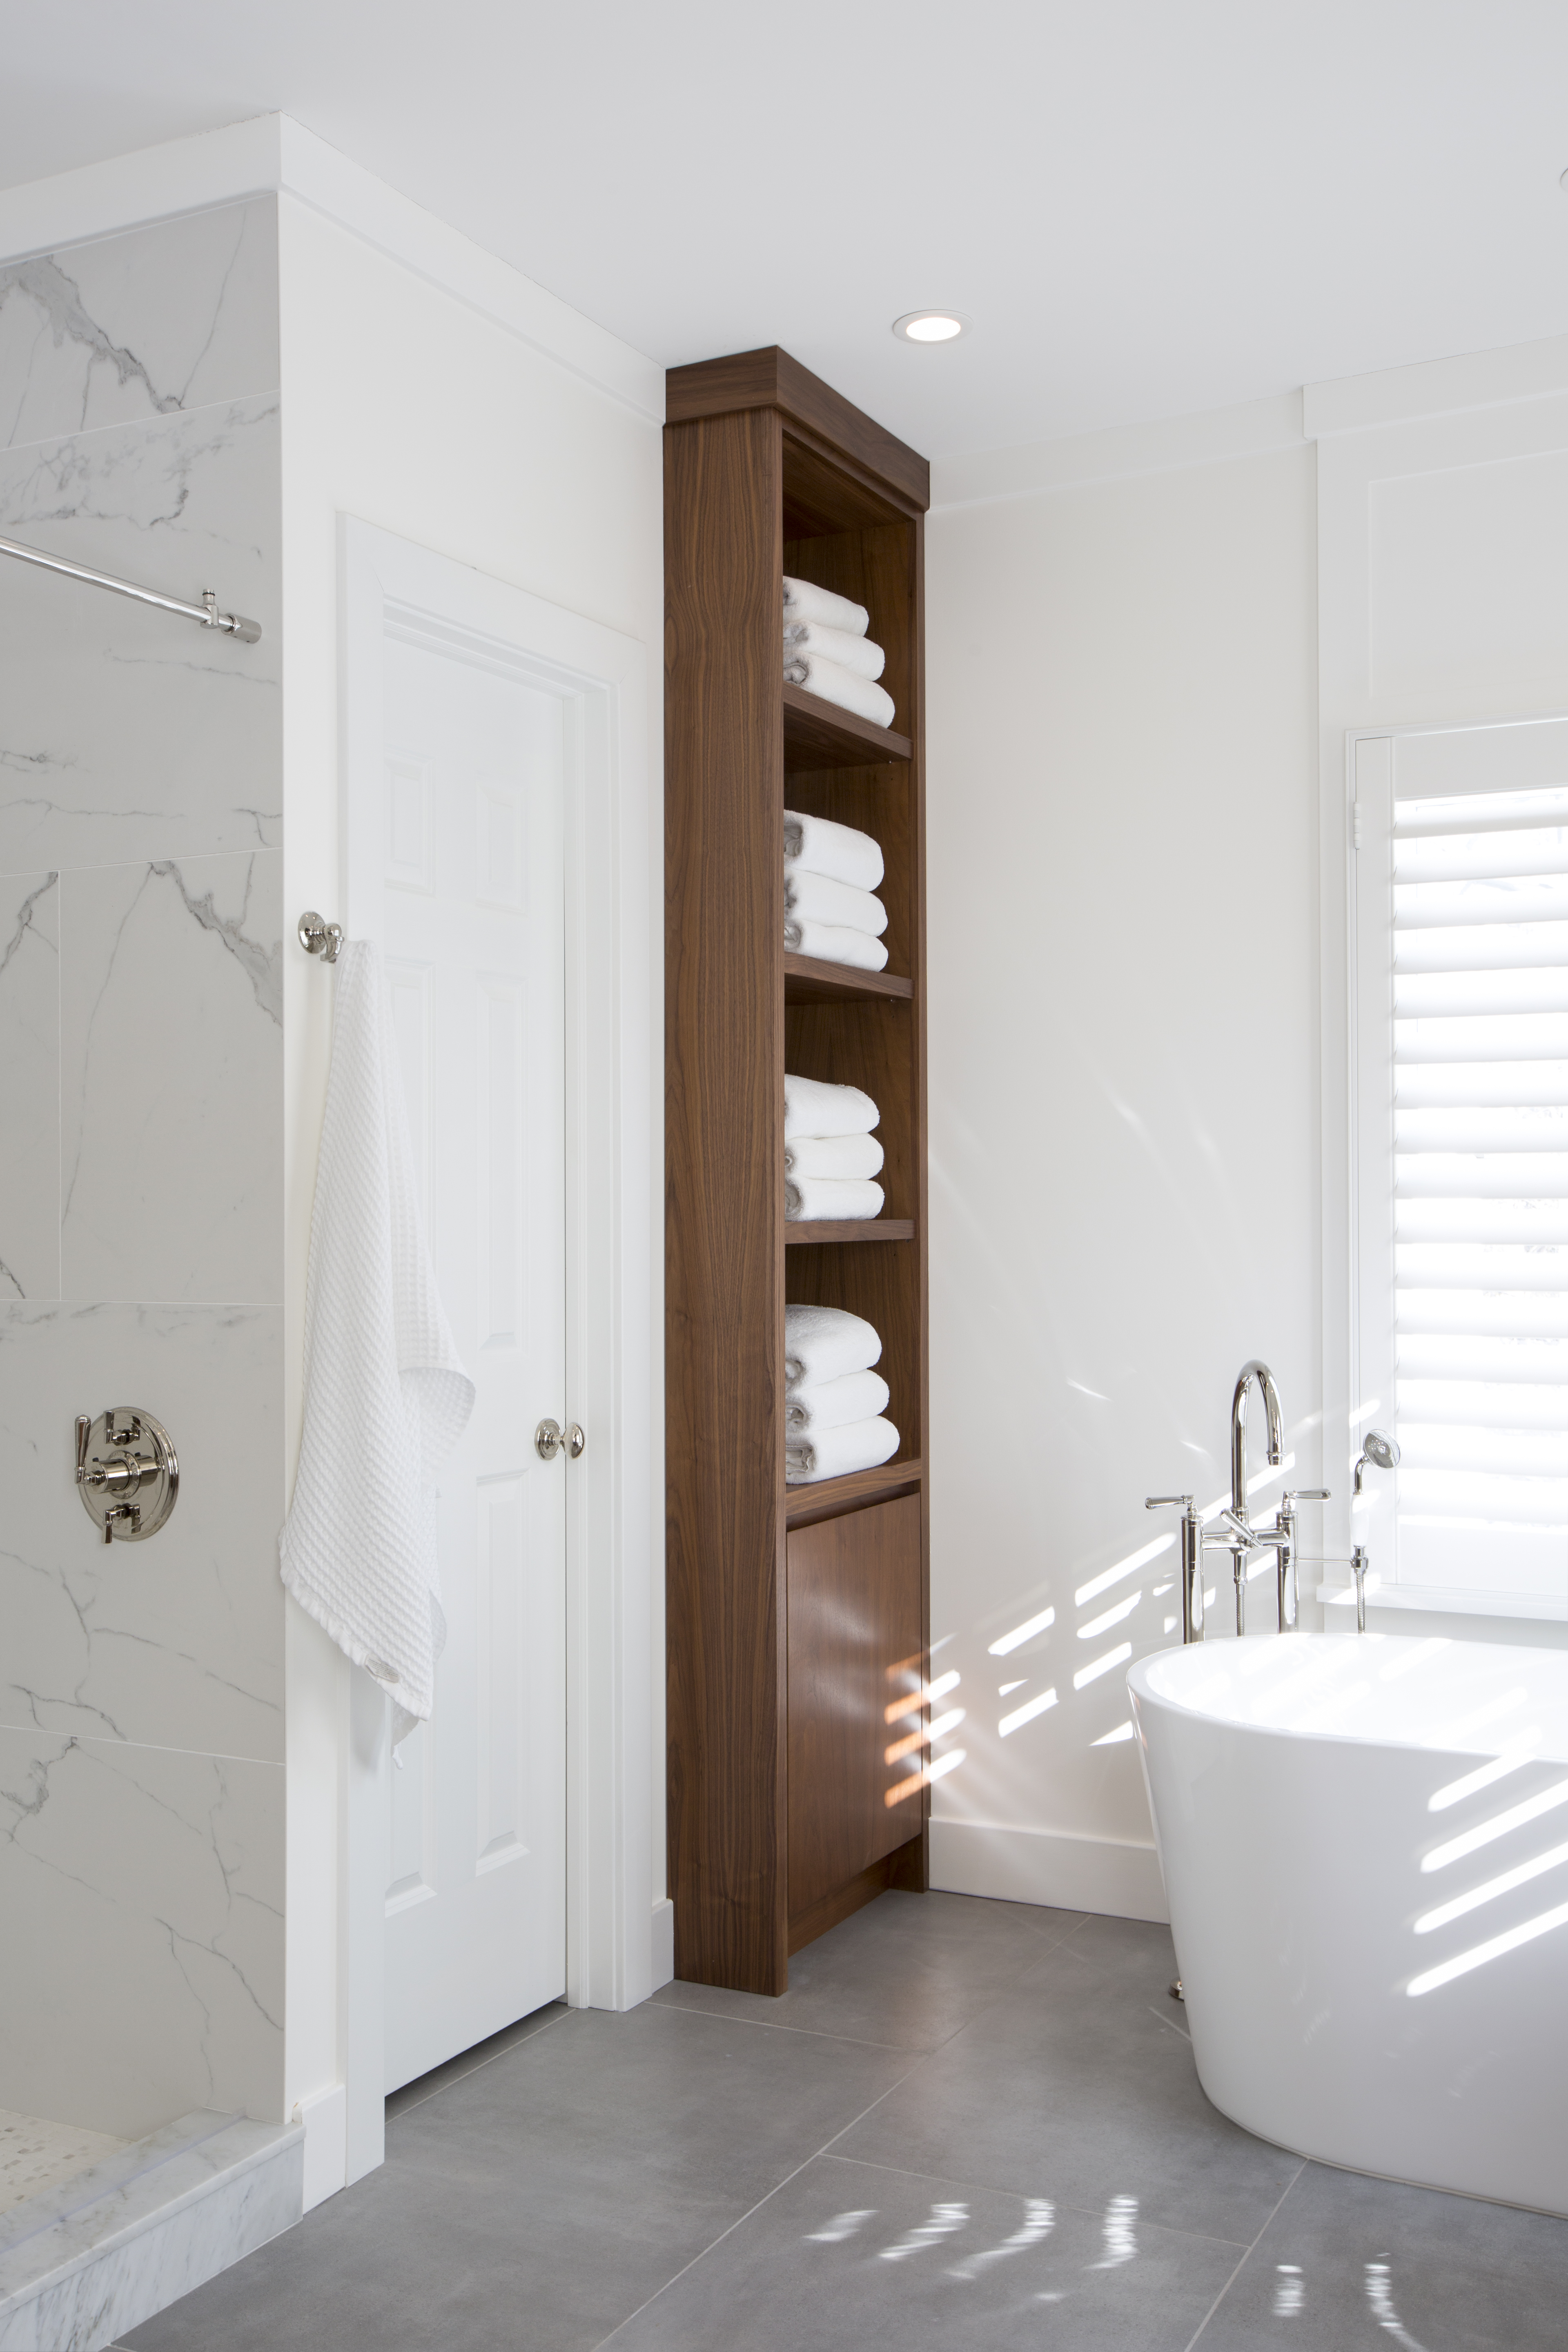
(1147, 208)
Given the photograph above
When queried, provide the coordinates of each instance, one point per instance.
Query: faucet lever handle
(1158, 1502)
(1304, 1494)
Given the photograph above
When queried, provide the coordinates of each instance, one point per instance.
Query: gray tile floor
(967, 2125)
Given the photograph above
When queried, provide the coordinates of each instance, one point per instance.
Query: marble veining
(84, 2263)
(177, 1643)
(29, 1085)
(36, 2155)
(141, 325)
(127, 732)
(171, 1055)
(142, 1794)
(171, 1865)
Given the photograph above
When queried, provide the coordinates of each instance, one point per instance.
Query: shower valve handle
(128, 1495)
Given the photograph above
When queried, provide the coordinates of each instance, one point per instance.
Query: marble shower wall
(141, 1155)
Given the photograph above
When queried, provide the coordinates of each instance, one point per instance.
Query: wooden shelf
(826, 1498)
(807, 981)
(817, 734)
(850, 1229)
(788, 1614)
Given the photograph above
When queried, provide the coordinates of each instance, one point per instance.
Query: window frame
(1370, 788)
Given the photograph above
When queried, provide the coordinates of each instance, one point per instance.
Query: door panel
(854, 1653)
(468, 858)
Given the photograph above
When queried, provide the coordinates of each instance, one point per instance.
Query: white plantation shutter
(1462, 1152)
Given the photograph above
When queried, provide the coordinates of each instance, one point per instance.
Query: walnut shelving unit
(798, 1618)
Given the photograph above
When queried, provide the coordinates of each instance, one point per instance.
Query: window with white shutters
(1461, 949)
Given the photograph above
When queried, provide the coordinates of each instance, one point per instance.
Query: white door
(470, 848)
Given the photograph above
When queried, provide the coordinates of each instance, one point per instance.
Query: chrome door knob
(550, 1439)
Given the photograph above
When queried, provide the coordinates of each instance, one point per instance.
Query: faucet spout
(1259, 1372)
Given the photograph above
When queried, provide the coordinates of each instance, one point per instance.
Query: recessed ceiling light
(931, 326)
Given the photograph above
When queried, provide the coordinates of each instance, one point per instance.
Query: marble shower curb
(97, 2254)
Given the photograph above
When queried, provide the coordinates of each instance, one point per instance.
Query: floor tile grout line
(811, 2032)
(408, 2108)
(777, 2188)
(1020, 2196)
(1246, 2257)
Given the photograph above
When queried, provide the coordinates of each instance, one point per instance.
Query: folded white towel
(836, 943)
(808, 1200)
(857, 654)
(833, 683)
(386, 1397)
(804, 602)
(821, 1342)
(828, 1404)
(818, 899)
(814, 1107)
(829, 848)
(834, 1453)
(833, 1155)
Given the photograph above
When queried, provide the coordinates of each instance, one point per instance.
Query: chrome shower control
(550, 1439)
(126, 1473)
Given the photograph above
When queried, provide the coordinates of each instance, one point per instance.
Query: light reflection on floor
(947, 2220)
(948, 2217)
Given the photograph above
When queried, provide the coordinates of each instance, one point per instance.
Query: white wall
(416, 412)
(1124, 1085)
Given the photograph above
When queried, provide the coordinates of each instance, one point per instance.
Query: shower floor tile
(35, 2154)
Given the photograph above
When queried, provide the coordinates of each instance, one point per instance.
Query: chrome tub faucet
(1241, 1538)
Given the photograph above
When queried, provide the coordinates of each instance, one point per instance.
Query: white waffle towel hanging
(386, 1396)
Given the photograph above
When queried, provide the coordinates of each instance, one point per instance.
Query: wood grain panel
(848, 1229)
(768, 470)
(829, 1498)
(770, 378)
(807, 981)
(724, 1145)
(857, 1652)
(819, 734)
(905, 1866)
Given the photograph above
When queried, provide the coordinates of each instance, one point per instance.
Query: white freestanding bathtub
(1365, 1846)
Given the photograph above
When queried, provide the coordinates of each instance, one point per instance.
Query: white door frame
(614, 1516)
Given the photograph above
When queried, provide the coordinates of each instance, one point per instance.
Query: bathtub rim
(1555, 1750)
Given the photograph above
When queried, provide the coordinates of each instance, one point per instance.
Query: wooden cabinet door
(855, 1657)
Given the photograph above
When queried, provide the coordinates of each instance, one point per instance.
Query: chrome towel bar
(233, 624)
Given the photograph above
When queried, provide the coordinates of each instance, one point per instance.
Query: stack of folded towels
(826, 650)
(830, 1153)
(833, 1400)
(831, 910)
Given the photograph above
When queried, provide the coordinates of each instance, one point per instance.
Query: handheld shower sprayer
(1381, 1450)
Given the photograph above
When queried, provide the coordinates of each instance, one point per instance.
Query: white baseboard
(326, 2116)
(663, 1943)
(1048, 1866)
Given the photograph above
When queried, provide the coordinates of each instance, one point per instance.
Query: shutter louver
(1480, 1180)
